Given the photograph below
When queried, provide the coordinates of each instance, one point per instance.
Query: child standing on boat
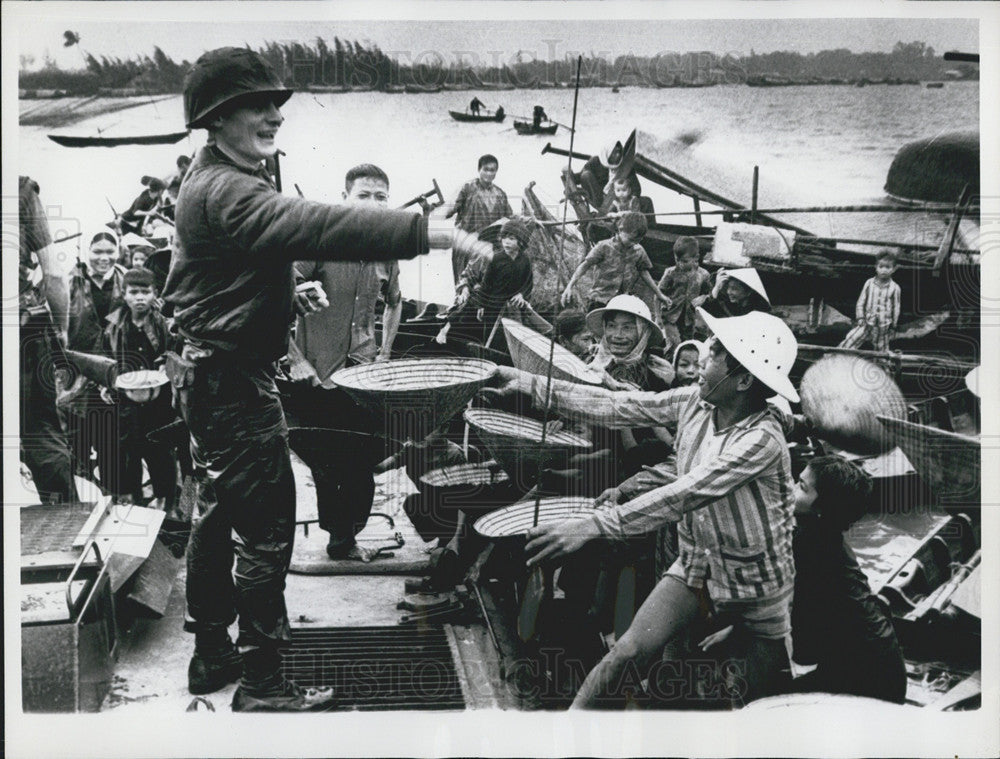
(493, 281)
(877, 312)
(686, 284)
(622, 266)
(137, 338)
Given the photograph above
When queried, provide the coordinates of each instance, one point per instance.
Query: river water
(833, 143)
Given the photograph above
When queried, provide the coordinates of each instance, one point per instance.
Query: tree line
(350, 64)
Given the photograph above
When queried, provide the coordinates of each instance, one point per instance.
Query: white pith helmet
(762, 343)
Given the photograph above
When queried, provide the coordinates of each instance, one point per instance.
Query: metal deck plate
(377, 668)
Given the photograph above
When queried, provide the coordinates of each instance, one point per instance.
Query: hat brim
(778, 382)
(279, 96)
(595, 321)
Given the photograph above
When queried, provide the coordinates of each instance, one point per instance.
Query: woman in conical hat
(737, 292)
(627, 335)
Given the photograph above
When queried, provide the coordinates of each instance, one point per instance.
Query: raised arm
(607, 408)
(266, 225)
(567, 294)
(742, 461)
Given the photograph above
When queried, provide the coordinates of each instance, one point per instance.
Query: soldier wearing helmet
(232, 289)
(730, 491)
(621, 266)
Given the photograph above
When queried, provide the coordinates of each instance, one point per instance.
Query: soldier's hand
(439, 239)
(302, 371)
(310, 297)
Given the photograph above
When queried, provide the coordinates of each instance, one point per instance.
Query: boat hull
(524, 127)
(70, 141)
(465, 117)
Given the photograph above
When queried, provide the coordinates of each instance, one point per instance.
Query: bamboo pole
(948, 363)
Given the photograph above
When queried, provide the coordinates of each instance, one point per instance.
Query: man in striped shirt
(732, 496)
(877, 312)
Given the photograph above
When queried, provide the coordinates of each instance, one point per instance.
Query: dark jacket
(86, 325)
(116, 344)
(231, 282)
(836, 621)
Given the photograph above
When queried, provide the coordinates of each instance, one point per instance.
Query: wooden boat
(935, 85)
(72, 141)
(526, 127)
(824, 256)
(418, 89)
(948, 462)
(489, 116)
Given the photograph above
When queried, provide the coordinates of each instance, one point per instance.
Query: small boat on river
(526, 127)
(98, 141)
(498, 116)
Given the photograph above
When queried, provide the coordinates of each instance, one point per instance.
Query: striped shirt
(732, 494)
(878, 305)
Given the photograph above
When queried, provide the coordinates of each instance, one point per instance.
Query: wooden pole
(753, 199)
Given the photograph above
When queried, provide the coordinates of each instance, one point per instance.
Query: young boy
(684, 284)
(137, 337)
(488, 283)
(687, 363)
(622, 266)
(837, 623)
(877, 312)
(479, 203)
(573, 334)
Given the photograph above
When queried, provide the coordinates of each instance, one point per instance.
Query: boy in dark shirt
(837, 624)
(488, 283)
(137, 337)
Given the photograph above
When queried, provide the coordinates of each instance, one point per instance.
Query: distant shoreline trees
(347, 65)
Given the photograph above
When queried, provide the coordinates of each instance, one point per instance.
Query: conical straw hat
(529, 352)
(516, 443)
(518, 518)
(415, 395)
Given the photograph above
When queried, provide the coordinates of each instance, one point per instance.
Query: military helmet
(223, 74)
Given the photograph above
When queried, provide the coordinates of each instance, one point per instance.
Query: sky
(482, 30)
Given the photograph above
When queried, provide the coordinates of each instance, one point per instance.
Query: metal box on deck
(68, 634)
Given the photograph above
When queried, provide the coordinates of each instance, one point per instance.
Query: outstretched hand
(610, 497)
(510, 383)
(550, 542)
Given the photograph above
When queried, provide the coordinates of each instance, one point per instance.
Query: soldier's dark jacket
(231, 281)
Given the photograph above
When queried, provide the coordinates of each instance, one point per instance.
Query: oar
(539, 586)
